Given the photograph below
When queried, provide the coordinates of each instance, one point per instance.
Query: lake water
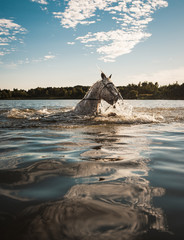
(119, 175)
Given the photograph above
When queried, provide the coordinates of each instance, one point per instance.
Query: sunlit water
(119, 175)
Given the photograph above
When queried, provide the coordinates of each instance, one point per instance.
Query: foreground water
(116, 176)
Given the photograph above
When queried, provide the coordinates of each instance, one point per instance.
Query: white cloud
(41, 59)
(122, 42)
(130, 16)
(14, 65)
(78, 11)
(48, 57)
(163, 77)
(2, 53)
(40, 1)
(44, 9)
(70, 43)
(43, 4)
(10, 32)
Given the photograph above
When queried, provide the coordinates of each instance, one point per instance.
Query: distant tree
(133, 94)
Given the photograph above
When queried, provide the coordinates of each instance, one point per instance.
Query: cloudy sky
(65, 42)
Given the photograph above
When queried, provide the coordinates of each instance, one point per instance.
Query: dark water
(108, 177)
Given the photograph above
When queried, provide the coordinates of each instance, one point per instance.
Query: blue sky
(62, 43)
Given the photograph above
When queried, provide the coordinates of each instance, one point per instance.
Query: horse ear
(103, 75)
(110, 76)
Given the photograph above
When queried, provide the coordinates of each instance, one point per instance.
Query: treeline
(145, 90)
(76, 92)
(149, 90)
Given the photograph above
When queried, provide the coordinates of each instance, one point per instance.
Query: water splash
(123, 111)
(121, 108)
(34, 114)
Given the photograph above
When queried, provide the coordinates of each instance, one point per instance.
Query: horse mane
(88, 92)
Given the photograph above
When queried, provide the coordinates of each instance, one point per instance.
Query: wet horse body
(102, 89)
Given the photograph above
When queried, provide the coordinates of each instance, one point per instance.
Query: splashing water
(30, 114)
(33, 114)
(121, 108)
(125, 112)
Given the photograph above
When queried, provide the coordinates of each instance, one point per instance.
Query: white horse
(102, 89)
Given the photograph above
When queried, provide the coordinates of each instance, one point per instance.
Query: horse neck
(94, 91)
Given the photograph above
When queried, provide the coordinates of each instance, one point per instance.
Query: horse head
(109, 92)
(103, 89)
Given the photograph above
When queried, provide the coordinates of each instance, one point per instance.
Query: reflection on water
(106, 211)
(67, 177)
(87, 183)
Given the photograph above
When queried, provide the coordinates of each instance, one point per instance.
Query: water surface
(119, 175)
